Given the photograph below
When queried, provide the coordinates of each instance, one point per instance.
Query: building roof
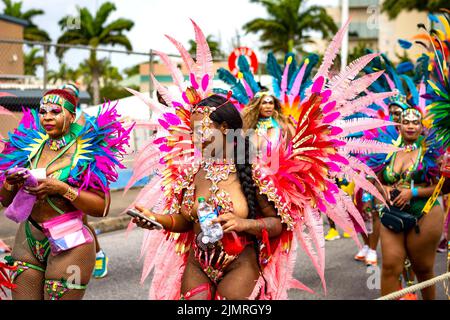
(30, 98)
(14, 20)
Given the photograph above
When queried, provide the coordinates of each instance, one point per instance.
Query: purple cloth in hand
(20, 209)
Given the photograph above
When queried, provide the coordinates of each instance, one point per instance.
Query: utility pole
(238, 38)
(344, 48)
(45, 66)
(150, 72)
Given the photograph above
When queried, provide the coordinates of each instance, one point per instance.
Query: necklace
(58, 144)
(265, 124)
(216, 170)
(410, 147)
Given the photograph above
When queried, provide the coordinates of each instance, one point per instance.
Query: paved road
(346, 278)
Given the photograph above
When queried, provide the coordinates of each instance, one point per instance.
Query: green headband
(71, 87)
(55, 99)
(399, 100)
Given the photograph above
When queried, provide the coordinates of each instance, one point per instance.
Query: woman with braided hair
(267, 205)
(229, 268)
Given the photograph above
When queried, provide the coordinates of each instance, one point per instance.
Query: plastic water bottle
(212, 232)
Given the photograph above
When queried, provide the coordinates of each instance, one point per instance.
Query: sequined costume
(299, 179)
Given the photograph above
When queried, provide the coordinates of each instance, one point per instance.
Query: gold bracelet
(71, 194)
(8, 187)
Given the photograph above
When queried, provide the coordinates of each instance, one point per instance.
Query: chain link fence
(27, 64)
(28, 69)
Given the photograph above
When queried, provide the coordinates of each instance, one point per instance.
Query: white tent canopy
(129, 108)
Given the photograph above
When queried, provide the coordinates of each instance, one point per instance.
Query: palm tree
(95, 31)
(214, 46)
(64, 74)
(288, 26)
(394, 7)
(358, 51)
(108, 80)
(31, 32)
(131, 71)
(32, 60)
(110, 75)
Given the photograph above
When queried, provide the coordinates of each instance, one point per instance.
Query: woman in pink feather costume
(229, 268)
(276, 206)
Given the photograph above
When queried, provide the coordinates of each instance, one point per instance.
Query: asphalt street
(346, 278)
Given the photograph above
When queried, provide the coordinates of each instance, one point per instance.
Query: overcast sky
(154, 18)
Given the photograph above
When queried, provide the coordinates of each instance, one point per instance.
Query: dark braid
(246, 179)
(230, 115)
(249, 189)
(227, 113)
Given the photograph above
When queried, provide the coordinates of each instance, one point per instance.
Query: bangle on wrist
(415, 192)
(71, 194)
(8, 187)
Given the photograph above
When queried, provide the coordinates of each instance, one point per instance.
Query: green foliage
(358, 51)
(288, 26)
(132, 71)
(394, 7)
(64, 74)
(112, 92)
(32, 60)
(95, 31)
(31, 32)
(108, 80)
(214, 46)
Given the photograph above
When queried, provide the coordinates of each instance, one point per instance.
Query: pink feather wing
(332, 51)
(187, 59)
(297, 84)
(163, 91)
(175, 72)
(351, 71)
(204, 58)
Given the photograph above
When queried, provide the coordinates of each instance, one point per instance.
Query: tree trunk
(96, 86)
(95, 77)
(290, 45)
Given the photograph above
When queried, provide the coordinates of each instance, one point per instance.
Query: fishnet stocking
(30, 283)
(75, 266)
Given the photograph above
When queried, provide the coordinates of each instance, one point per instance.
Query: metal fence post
(150, 87)
(45, 66)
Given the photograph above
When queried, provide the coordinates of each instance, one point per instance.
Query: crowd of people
(366, 148)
